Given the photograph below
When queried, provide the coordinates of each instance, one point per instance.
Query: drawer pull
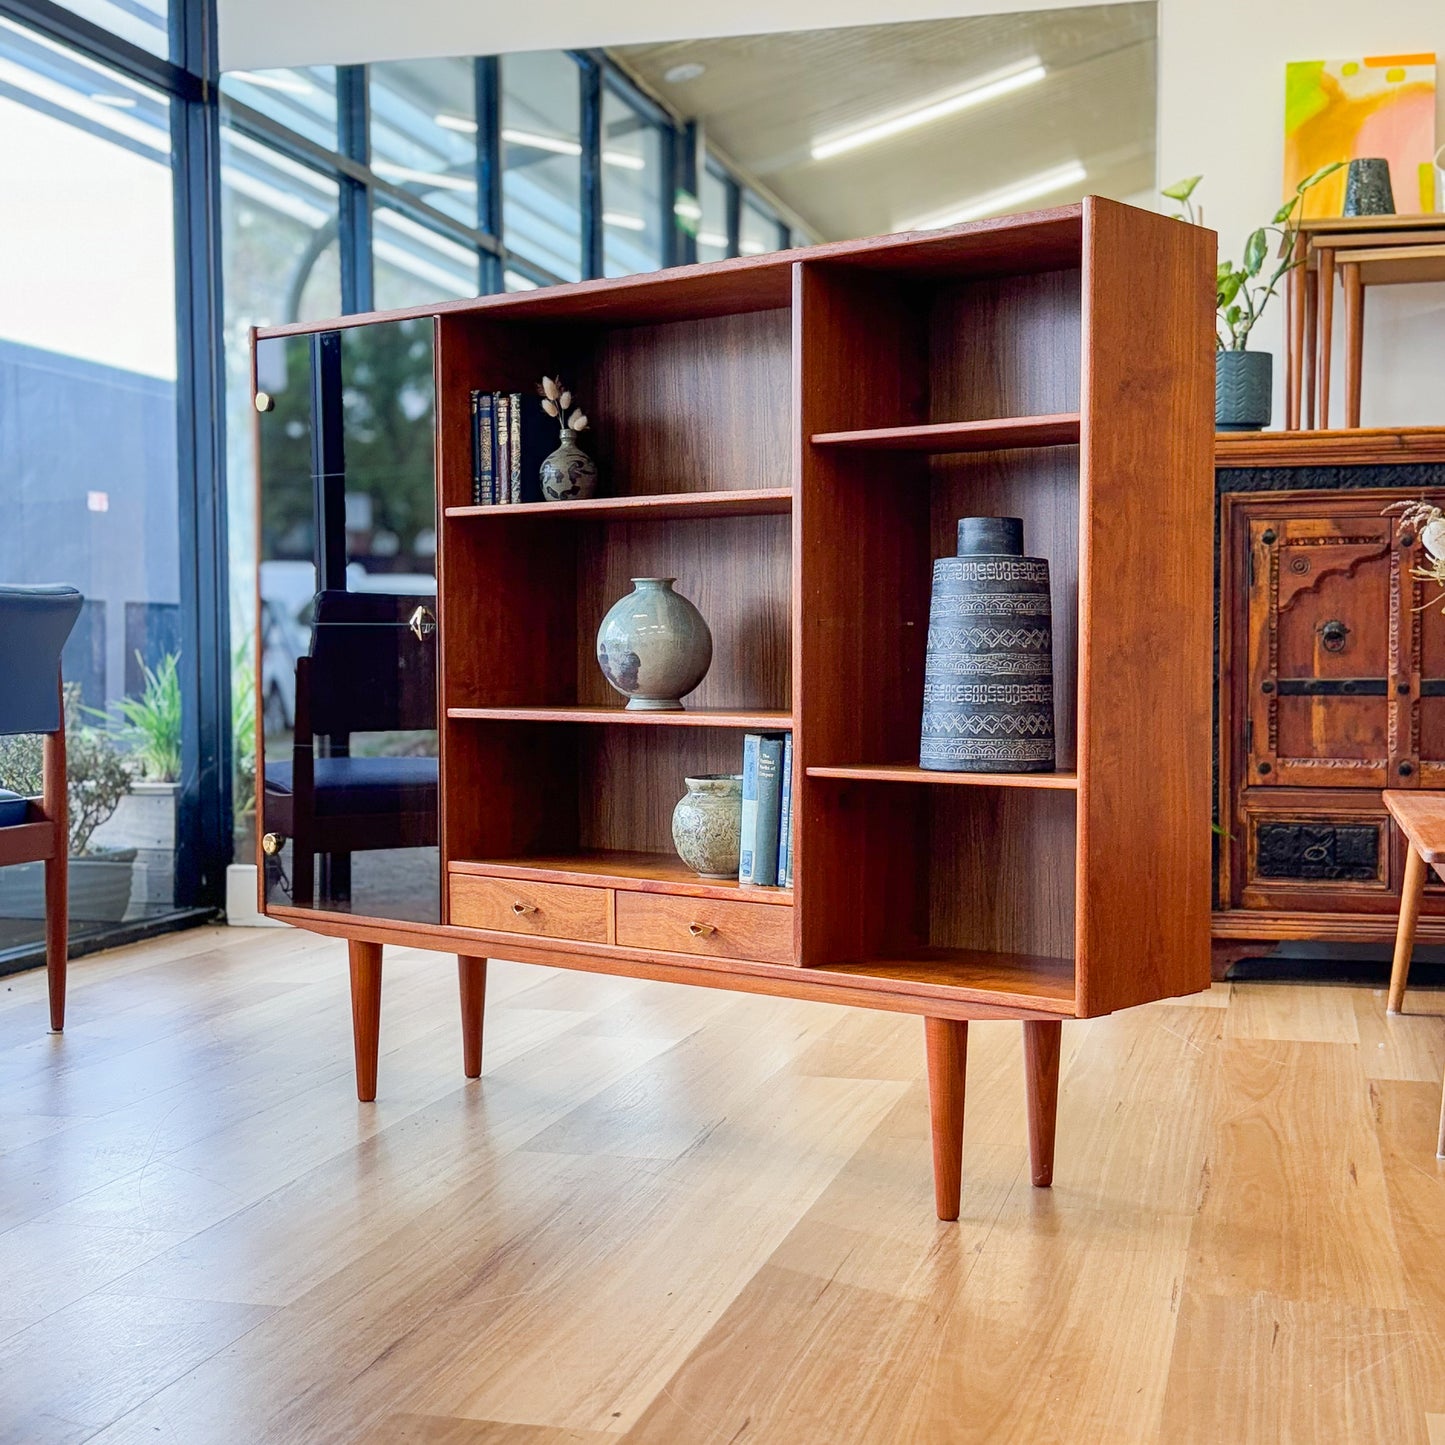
(520, 907)
(701, 930)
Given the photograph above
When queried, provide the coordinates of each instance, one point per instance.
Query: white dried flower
(1432, 537)
(549, 388)
(565, 400)
(578, 420)
(550, 407)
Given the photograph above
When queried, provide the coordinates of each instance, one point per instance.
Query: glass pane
(414, 266)
(88, 421)
(632, 214)
(303, 99)
(348, 578)
(542, 161)
(757, 229)
(712, 233)
(280, 262)
(424, 131)
(143, 22)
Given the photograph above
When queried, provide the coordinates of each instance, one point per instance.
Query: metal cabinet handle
(1333, 634)
(701, 930)
(422, 623)
(519, 907)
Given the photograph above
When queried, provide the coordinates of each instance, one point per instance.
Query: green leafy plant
(96, 775)
(1241, 292)
(243, 730)
(152, 721)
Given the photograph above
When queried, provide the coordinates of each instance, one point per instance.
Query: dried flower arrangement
(1429, 524)
(556, 400)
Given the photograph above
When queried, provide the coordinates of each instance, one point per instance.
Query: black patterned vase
(988, 689)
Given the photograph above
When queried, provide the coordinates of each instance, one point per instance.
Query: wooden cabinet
(1331, 685)
(793, 438)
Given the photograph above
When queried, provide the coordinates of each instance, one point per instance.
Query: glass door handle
(423, 623)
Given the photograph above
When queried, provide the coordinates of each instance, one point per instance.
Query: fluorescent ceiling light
(459, 123)
(291, 84)
(712, 238)
(752, 248)
(120, 102)
(985, 88)
(623, 220)
(1004, 199)
(688, 70)
(561, 146)
(624, 161)
(434, 179)
(687, 208)
(517, 282)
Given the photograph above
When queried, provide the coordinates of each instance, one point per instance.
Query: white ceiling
(764, 99)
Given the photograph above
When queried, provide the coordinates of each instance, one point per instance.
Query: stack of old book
(511, 437)
(766, 855)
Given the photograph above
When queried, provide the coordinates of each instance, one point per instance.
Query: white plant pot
(99, 889)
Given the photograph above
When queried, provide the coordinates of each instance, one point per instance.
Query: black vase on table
(988, 691)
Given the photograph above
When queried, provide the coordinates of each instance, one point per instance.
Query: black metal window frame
(189, 78)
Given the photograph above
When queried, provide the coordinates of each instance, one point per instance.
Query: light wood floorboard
(683, 1217)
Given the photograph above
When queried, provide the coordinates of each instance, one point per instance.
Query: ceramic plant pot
(1367, 188)
(1243, 390)
(707, 824)
(568, 474)
(988, 690)
(653, 646)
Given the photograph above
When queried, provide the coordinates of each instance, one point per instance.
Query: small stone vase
(1367, 188)
(1243, 390)
(988, 689)
(653, 646)
(707, 824)
(568, 474)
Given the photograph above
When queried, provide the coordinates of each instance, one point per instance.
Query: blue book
(747, 847)
(483, 449)
(770, 807)
(785, 818)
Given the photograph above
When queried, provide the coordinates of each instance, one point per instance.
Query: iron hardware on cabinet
(1333, 634)
(1266, 686)
(1406, 769)
(1264, 769)
(1267, 536)
(1407, 539)
(1333, 686)
(422, 623)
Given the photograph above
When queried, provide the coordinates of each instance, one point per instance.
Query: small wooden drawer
(721, 929)
(547, 910)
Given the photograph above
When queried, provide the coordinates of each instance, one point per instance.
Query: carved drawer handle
(520, 907)
(701, 930)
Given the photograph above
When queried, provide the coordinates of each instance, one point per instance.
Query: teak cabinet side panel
(1146, 586)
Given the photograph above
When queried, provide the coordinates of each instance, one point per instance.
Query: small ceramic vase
(653, 646)
(1367, 188)
(568, 474)
(707, 824)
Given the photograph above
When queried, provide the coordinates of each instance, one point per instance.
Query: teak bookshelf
(794, 437)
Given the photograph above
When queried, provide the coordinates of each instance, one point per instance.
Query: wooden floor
(674, 1215)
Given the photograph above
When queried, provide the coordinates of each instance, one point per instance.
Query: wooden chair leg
(1326, 287)
(54, 804)
(947, 1045)
(1354, 343)
(472, 973)
(1410, 896)
(1042, 1040)
(365, 1013)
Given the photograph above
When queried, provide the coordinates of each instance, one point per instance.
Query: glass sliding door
(88, 453)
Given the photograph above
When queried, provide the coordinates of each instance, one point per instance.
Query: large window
(633, 215)
(541, 149)
(88, 427)
(424, 132)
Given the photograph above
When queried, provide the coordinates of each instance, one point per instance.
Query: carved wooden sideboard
(1331, 683)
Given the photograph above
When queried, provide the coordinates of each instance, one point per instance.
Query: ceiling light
(687, 208)
(463, 125)
(119, 102)
(623, 220)
(514, 282)
(434, 179)
(985, 88)
(274, 80)
(1004, 199)
(677, 74)
(557, 144)
(753, 248)
(624, 161)
(712, 238)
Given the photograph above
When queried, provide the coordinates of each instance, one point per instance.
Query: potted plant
(96, 781)
(1244, 379)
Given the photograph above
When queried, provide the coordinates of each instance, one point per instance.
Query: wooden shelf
(704, 717)
(912, 773)
(753, 502)
(1013, 980)
(1060, 430)
(635, 872)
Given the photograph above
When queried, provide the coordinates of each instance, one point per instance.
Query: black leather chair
(366, 672)
(34, 624)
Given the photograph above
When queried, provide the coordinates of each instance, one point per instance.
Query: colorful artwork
(1336, 110)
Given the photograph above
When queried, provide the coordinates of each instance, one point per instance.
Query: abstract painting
(1381, 105)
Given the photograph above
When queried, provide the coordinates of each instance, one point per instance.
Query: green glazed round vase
(707, 824)
(653, 646)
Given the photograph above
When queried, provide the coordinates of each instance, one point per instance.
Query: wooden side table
(1309, 300)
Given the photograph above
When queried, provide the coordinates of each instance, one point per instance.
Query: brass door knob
(520, 908)
(265, 401)
(701, 930)
(272, 844)
(423, 623)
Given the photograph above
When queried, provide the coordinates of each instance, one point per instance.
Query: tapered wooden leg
(1354, 343)
(54, 804)
(365, 1013)
(1312, 344)
(1440, 1144)
(1042, 1038)
(472, 973)
(1294, 340)
(1410, 896)
(947, 1042)
(1326, 285)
